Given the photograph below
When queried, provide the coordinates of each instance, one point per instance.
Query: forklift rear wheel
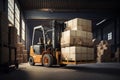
(47, 60)
(31, 61)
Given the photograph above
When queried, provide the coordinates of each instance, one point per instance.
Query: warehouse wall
(101, 33)
(118, 31)
(3, 6)
(28, 38)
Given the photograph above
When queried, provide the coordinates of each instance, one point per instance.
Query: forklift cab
(38, 46)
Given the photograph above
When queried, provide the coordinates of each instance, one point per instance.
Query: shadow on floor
(109, 71)
(14, 74)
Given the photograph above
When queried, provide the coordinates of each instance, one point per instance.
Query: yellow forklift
(48, 51)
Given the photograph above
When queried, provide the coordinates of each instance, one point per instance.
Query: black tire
(49, 61)
(63, 65)
(31, 61)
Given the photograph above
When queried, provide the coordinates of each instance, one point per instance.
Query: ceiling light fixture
(101, 22)
(46, 10)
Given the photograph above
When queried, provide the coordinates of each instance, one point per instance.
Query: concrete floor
(102, 71)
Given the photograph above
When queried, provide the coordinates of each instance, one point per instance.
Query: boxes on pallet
(75, 53)
(103, 52)
(76, 38)
(79, 24)
(25, 56)
(13, 36)
(4, 55)
(19, 48)
(21, 53)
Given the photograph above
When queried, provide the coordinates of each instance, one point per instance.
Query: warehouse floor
(103, 71)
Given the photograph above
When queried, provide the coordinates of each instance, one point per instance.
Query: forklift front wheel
(31, 61)
(47, 60)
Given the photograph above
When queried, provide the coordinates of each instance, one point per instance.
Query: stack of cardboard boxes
(21, 53)
(103, 52)
(76, 40)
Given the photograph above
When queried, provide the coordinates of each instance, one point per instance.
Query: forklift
(47, 53)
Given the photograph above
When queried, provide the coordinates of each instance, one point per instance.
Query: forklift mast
(58, 28)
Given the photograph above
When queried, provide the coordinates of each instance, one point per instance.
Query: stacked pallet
(103, 52)
(21, 53)
(4, 50)
(76, 40)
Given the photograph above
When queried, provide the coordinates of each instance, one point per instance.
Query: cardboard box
(25, 58)
(78, 53)
(19, 44)
(76, 38)
(79, 24)
(75, 57)
(69, 24)
(75, 53)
